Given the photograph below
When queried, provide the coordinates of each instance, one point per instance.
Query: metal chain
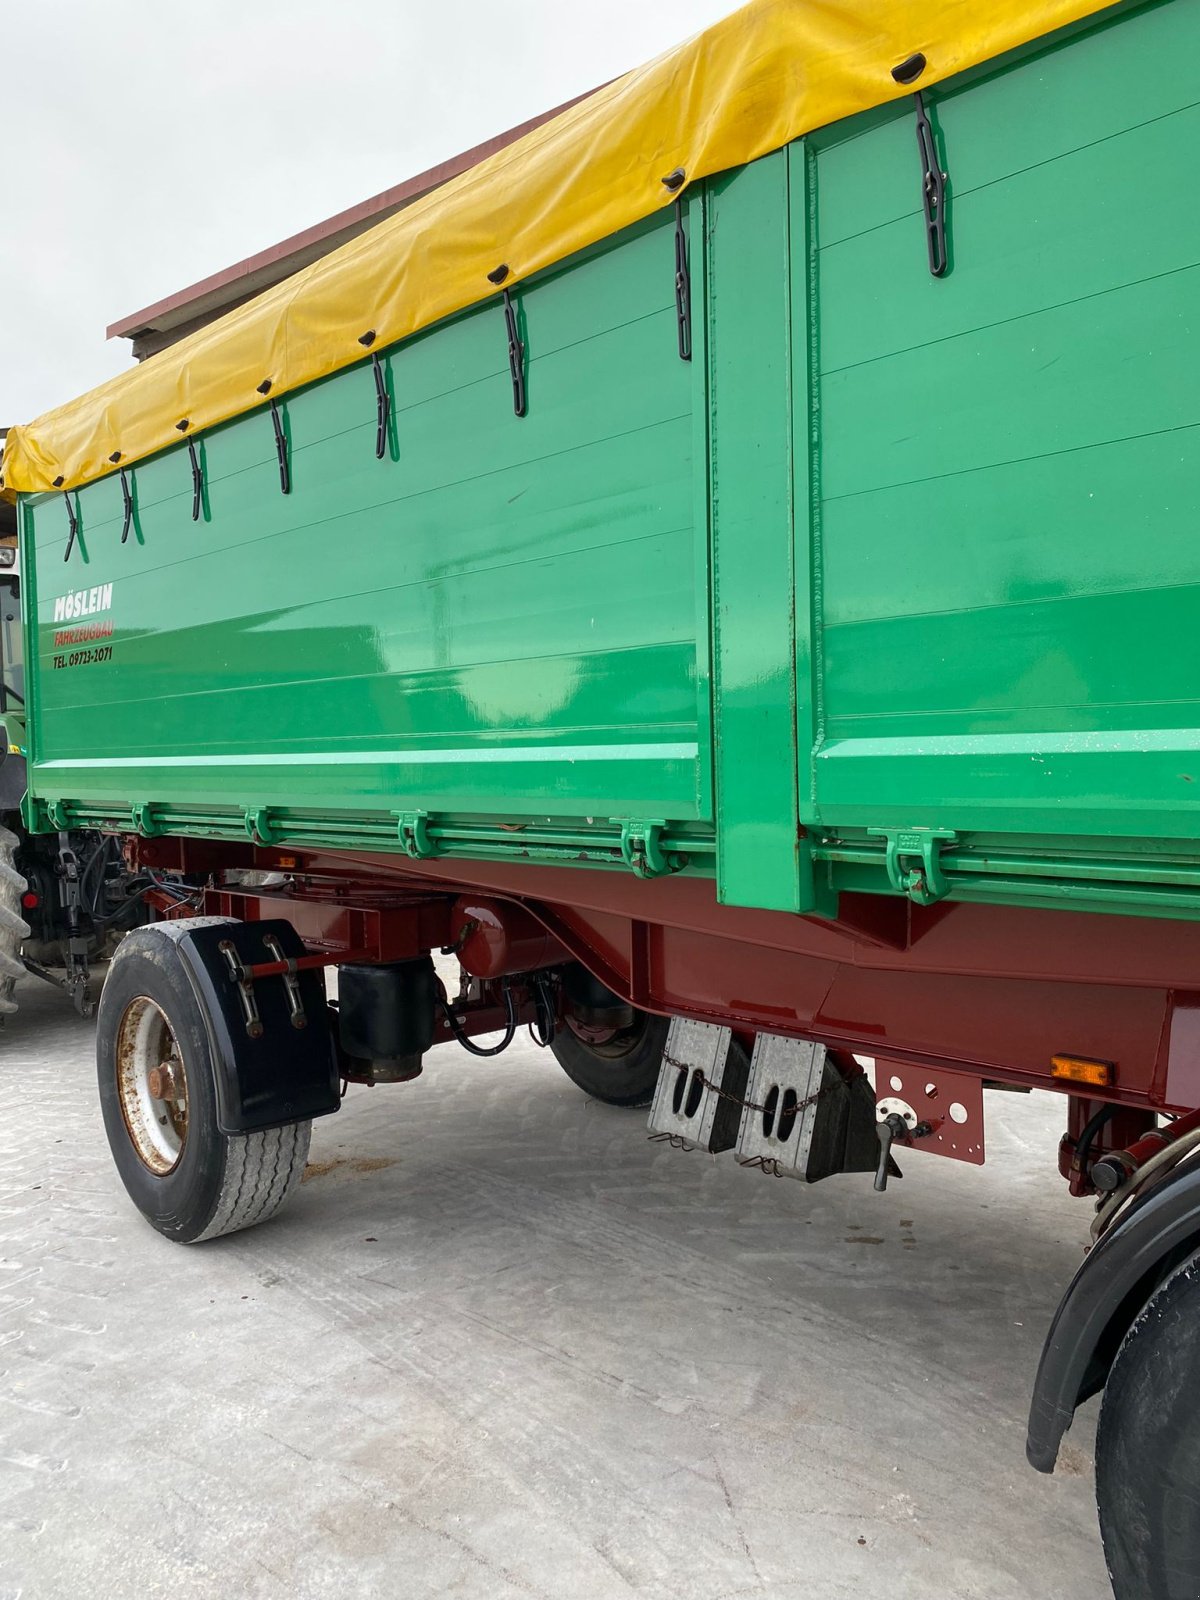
(746, 1105)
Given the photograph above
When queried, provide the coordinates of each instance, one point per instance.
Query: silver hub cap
(152, 1086)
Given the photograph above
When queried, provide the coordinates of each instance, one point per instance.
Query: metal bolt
(161, 1082)
(1109, 1173)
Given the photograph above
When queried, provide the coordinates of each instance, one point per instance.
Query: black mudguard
(1106, 1294)
(283, 1073)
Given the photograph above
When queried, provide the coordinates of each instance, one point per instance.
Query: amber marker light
(1078, 1069)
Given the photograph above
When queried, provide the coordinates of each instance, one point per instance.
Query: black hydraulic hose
(102, 924)
(136, 890)
(114, 918)
(185, 894)
(89, 893)
(543, 1033)
(456, 1027)
(1083, 1145)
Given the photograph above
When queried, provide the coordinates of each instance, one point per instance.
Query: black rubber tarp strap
(73, 521)
(127, 501)
(281, 450)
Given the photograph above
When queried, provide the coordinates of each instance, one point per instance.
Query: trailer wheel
(158, 1097)
(14, 930)
(1148, 1448)
(622, 1069)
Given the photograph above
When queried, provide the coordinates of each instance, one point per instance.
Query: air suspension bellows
(386, 1019)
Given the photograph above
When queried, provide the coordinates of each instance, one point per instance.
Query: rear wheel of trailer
(158, 1094)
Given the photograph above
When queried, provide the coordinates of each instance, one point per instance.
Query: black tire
(1148, 1448)
(622, 1072)
(220, 1183)
(14, 930)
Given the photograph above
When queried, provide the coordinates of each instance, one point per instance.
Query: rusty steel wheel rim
(612, 1044)
(152, 1086)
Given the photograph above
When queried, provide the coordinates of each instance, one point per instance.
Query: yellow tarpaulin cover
(773, 70)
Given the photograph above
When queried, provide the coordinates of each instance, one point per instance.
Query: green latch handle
(913, 861)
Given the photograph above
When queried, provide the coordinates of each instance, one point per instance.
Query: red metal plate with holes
(950, 1102)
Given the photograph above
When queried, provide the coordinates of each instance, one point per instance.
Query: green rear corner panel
(893, 586)
(1009, 457)
(1005, 471)
(500, 617)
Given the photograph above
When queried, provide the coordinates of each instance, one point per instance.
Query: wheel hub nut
(161, 1082)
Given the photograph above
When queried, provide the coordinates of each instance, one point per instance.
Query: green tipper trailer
(891, 554)
(775, 615)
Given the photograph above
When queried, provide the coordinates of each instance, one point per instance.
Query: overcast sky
(147, 145)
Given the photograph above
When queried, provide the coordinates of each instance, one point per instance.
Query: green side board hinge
(412, 829)
(259, 827)
(144, 821)
(56, 814)
(642, 849)
(914, 863)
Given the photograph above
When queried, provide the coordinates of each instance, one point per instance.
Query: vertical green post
(806, 491)
(25, 540)
(753, 580)
(696, 218)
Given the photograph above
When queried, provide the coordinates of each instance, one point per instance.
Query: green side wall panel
(895, 568)
(1010, 456)
(500, 617)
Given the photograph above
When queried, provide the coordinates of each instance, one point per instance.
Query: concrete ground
(500, 1346)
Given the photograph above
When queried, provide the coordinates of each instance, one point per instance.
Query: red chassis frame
(990, 991)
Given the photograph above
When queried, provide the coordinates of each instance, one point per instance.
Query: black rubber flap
(284, 1073)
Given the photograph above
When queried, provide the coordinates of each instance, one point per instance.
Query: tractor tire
(14, 930)
(621, 1071)
(1148, 1448)
(158, 1097)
